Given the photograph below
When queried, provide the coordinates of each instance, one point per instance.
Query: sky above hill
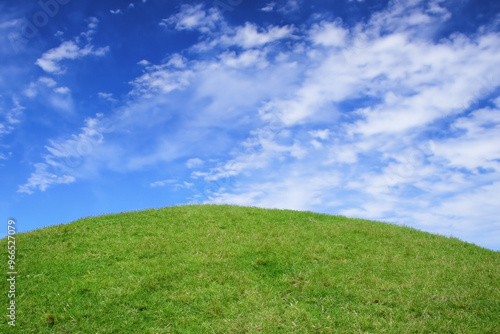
(385, 110)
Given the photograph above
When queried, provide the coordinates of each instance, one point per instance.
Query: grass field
(227, 269)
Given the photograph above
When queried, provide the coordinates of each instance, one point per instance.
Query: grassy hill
(227, 269)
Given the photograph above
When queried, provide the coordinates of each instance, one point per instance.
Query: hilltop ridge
(221, 269)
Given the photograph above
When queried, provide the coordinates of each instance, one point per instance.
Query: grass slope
(227, 269)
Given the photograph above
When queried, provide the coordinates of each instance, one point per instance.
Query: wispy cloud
(51, 60)
(42, 178)
(107, 96)
(161, 79)
(289, 6)
(193, 163)
(11, 117)
(162, 183)
(268, 7)
(65, 161)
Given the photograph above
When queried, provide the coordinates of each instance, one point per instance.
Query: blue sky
(386, 110)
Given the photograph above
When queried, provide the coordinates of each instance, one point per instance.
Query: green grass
(227, 269)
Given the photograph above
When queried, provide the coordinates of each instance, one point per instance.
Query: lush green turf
(225, 269)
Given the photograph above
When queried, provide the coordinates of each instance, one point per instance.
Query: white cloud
(259, 151)
(46, 87)
(184, 185)
(289, 7)
(296, 189)
(42, 178)
(465, 207)
(160, 79)
(476, 148)
(107, 96)
(162, 183)
(34, 87)
(66, 156)
(329, 34)
(177, 61)
(163, 78)
(31, 91)
(410, 16)
(50, 60)
(115, 12)
(245, 59)
(320, 134)
(423, 78)
(269, 7)
(10, 118)
(9, 23)
(218, 33)
(62, 101)
(250, 36)
(62, 90)
(49, 82)
(193, 163)
(93, 23)
(193, 18)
